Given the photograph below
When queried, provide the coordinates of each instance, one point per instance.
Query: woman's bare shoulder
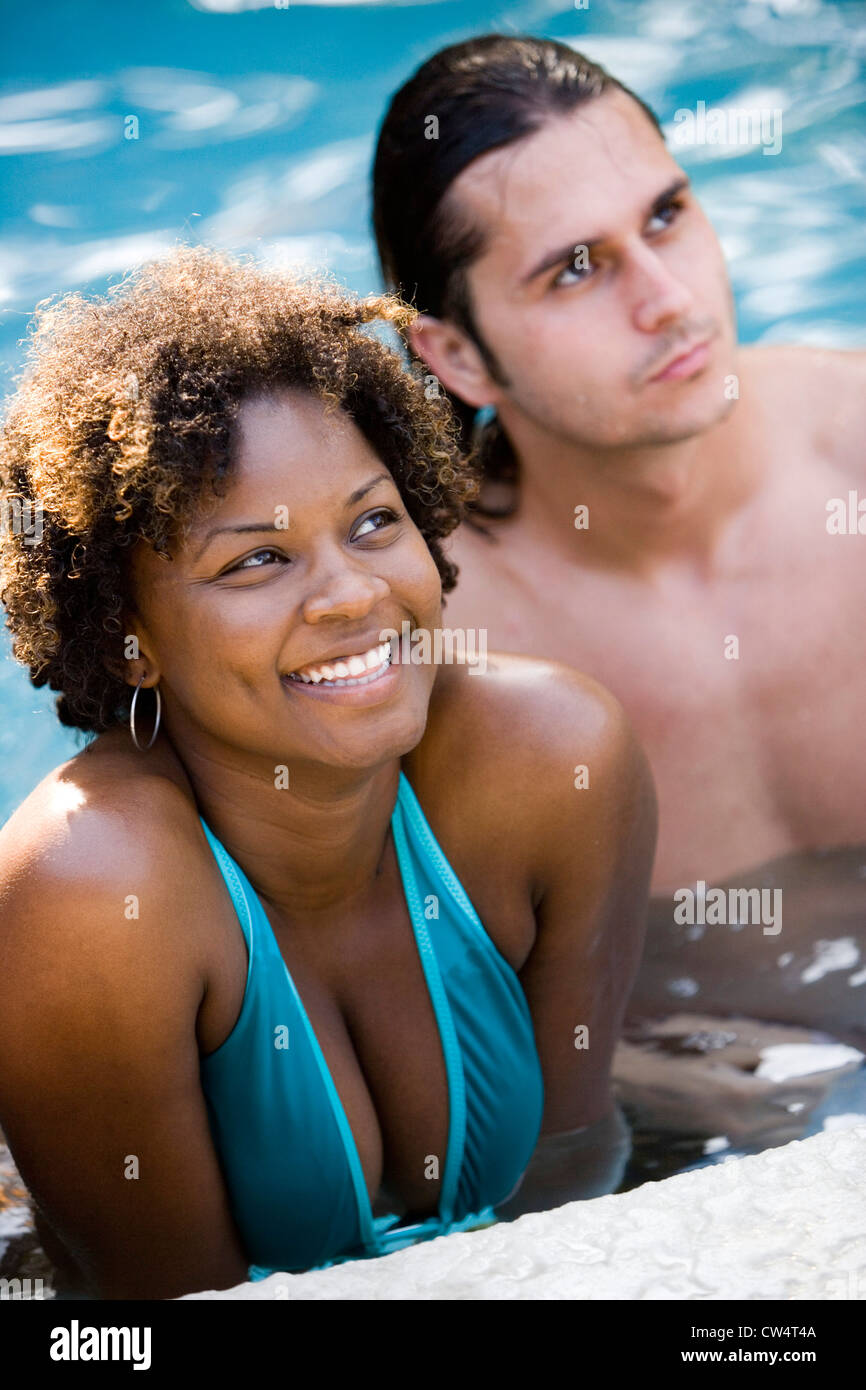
(99, 792)
(502, 746)
(100, 828)
(520, 709)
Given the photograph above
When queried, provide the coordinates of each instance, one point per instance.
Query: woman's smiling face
(307, 559)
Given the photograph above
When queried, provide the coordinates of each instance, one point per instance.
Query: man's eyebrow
(552, 258)
(262, 526)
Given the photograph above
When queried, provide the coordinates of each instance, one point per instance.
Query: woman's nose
(344, 591)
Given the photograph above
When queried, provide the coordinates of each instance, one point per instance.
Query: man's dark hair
(485, 93)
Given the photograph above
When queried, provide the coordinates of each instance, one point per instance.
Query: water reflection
(774, 1043)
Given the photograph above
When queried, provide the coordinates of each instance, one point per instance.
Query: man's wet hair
(486, 93)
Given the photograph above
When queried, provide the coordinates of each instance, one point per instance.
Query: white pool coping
(789, 1223)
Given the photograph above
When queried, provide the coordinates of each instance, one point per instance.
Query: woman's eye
(385, 513)
(253, 561)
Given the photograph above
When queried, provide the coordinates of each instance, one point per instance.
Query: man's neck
(645, 507)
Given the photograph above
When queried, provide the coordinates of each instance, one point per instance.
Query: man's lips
(687, 360)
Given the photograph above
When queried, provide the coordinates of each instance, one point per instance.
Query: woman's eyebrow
(271, 526)
(235, 530)
(552, 258)
(368, 487)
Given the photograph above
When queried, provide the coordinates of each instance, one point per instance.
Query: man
(677, 515)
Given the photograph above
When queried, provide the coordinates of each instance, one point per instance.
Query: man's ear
(454, 359)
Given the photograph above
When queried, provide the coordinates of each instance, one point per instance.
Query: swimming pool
(255, 130)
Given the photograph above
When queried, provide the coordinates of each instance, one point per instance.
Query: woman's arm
(594, 845)
(543, 795)
(570, 794)
(100, 1096)
(585, 1162)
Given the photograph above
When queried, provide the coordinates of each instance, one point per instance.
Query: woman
(251, 1018)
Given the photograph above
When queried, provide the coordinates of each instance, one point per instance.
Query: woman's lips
(352, 691)
(345, 668)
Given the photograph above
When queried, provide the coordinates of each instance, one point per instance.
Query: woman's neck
(310, 838)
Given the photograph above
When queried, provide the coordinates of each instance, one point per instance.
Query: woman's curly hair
(125, 414)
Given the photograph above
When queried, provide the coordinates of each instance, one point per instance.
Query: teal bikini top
(289, 1159)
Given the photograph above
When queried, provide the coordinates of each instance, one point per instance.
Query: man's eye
(572, 269)
(675, 208)
(385, 513)
(580, 273)
(252, 561)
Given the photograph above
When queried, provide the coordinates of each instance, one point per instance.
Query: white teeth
(355, 670)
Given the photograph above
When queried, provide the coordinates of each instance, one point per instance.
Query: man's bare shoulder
(821, 391)
(805, 358)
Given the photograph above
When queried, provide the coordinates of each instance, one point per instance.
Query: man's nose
(659, 295)
(341, 588)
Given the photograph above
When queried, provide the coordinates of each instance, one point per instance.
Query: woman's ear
(131, 662)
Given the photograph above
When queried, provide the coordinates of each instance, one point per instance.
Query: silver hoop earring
(132, 717)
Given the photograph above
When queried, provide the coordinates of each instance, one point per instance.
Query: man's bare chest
(744, 689)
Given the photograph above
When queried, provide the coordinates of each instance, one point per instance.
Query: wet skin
(106, 1015)
(707, 520)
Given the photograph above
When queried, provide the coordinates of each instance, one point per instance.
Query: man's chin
(681, 423)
